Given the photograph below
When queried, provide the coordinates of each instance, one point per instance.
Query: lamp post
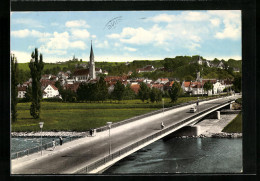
(41, 126)
(163, 105)
(109, 126)
(198, 104)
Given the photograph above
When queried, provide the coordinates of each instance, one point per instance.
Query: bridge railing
(104, 128)
(38, 148)
(123, 151)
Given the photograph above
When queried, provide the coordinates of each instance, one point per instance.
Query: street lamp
(41, 126)
(163, 105)
(109, 126)
(198, 104)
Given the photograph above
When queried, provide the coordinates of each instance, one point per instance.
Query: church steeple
(91, 52)
(92, 70)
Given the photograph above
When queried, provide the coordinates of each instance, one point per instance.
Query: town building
(50, 91)
(21, 91)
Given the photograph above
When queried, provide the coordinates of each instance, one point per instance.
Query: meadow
(59, 116)
(235, 126)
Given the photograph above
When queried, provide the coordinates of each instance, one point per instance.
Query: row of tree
(36, 66)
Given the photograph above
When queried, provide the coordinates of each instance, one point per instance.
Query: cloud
(59, 41)
(192, 46)
(93, 36)
(141, 36)
(28, 33)
(47, 51)
(21, 56)
(194, 16)
(215, 22)
(78, 44)
(130, 49)
(80, 34)
(77, 23)
(190, 16)
(27, 22)
(104, 44)
(162, 18)
(232, 24)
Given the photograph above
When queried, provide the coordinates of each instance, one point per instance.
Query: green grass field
(235, 126)
(83, 116)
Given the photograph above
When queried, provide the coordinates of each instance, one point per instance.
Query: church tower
(92, 70)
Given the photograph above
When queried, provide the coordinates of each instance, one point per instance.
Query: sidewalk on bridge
(19, 162)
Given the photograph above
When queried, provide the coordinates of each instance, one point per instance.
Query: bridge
(90, 155)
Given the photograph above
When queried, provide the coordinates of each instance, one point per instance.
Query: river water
(189, 155)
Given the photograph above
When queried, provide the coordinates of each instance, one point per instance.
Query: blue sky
(126, 35)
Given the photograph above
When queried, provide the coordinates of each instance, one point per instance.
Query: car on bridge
(193, 109)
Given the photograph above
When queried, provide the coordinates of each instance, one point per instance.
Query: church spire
(91, 52)
(92, 70)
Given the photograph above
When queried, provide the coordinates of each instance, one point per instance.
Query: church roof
(81, 72)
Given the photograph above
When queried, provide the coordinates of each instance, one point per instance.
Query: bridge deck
(71, 157)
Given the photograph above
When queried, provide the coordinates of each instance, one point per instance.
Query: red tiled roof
(47, 82)
(187, 84)
(135, 87)
(22, 88)
(196, 84)
(81, 72)
(55, 88)
(74, 87)
(157, 86)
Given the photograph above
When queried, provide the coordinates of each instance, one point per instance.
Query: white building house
(218, 88)
(21, 91)
(50, 91)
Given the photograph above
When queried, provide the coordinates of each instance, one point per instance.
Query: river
(189, 155)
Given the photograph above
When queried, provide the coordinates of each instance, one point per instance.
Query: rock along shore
(216, 135)
(49, 134)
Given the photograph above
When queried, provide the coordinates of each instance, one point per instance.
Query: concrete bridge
(92, 155)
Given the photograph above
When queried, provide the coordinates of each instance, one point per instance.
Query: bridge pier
(185, 131)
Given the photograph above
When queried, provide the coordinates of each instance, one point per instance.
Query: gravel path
(214, 127)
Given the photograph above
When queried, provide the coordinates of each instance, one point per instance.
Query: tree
(118, 91)
(175, 91)
(28, 94)
(144, 92)
(129, 94)
(14, 90)
(237, 86)
(102, 89)
(81, 92)
(208, 86)
(36, 66)
(155, 95)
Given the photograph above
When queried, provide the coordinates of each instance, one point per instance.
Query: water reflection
(192, 155)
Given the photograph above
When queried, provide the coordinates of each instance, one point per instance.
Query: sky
(120, 36)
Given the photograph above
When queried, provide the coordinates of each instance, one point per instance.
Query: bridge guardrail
(104, 128)
(122, 151)
(38, 148)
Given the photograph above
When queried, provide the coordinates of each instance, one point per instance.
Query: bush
(239, 101)
(54, 99)
(22, 100)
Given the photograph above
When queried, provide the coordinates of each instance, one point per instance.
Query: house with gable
(147, 68)
(21, 91)
(50, 91)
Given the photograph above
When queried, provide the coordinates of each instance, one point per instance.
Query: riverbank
(49, 134)
(213, 128)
